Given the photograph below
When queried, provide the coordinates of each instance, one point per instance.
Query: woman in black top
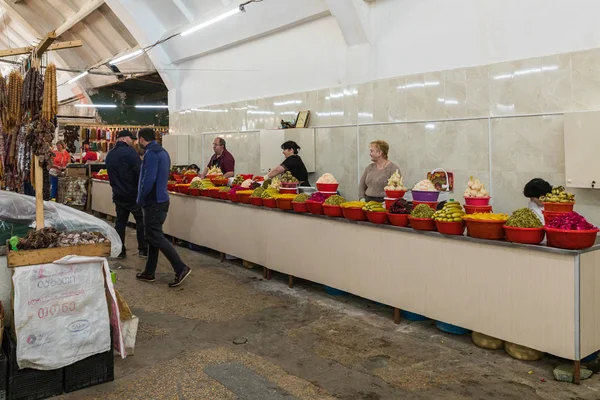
(292, 163)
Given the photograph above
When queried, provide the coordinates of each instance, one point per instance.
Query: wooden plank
(45, 43)
(39, 195)
(48, 256)
(65, 45)
(16, 51)
(26, 50)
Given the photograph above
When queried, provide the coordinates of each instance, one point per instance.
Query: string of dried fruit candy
(50, 103)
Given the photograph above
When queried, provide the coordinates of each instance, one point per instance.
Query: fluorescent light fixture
(151, 106)
(78, 77)
(96, 105)
(210, 22)
(126, 57)
(285, 103)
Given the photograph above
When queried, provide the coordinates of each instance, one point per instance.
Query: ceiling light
(96, 105)
(151, 106)
(126, 57)
(210, 22)
(78, 77)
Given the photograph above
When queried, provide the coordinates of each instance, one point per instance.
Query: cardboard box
(77, 172)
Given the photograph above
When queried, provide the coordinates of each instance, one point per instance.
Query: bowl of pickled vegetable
(486, 225)
(523, 226)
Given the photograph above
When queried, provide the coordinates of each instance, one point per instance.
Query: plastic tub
(299, 207)
(559, 207)
(195, 192)
(395, 194)
(410, 316)
(328, 187)
(283, 190)
(220, 181)
(389, 202)
(449, 328)
(172, 187)
(398, 219)
(332, 211)
(224, 195)
(256, 201)
(431, 204)
(524, 235)
(550, 215)
(205, 193)
(233, 197)
(314, 208)
(477, 209)
(422, 224)
(477, 201)
(244, 197)
(354, 213)
(491, 230)
(487, 342)
(214, 193)
(183, 189)
(284, 204)
(450, 228)
(377, 217)
(522, 353)
(289, 185)
(270, 203)
(418, 195)
(247, 176)
(571, 240)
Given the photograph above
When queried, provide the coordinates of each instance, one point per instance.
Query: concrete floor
(301, 344)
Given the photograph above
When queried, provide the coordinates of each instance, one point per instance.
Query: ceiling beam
(86, 10)
(45, 44)
(184, 10)
(25, 50)
(348, 15)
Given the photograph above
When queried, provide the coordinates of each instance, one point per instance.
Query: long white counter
(539, 297)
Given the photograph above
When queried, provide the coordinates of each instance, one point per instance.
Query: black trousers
(154, 218)
(123, 209)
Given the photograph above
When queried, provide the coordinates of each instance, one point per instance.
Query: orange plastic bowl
(571, 240)
(256, 201)
(550, 215)
(354, 213)
(524, 235)
(327, 187)
(233, 197)
(377, 217)
(314, 208)
(284, 204)
(219, 181)
(477, 209)
(559, 207)
(395, 194)
(422, 224)
(398, 219)
(195, 192)
(270, 203)
(299, 207)
(224, 195)
(450, 228)
(244, 197)
(332, 211)
(487, 229)
(477, 201)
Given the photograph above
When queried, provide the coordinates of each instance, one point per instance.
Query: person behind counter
(222, 159)
(292, 163)
(88, 154)
(376, 175)
(59, 164)
(534, 189)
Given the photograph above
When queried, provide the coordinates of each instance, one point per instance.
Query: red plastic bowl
(204, 192)
(327, 187)
(215, 193)
(418, 195)
(477, 201)
(571, 240)
(314, 208)
(224, 195)
(219, 181)
(550, 215)
(270, 203)
(185, 189)
(212, 176)
(172, 187)
(450, 228)
(395, 194)
(256, 201)
(244, 197)
(354, 214)
(233, 197)
(195, 192)
(332, 211)
(377, 217)
(559, 207)
(432, 204)
(486, 229)
(299, 207)
(177, 177)
(398, 219)
(247, 176)
(289, 185)
(283, 190)
(524, 235)
(422, 224)
(477, 209)
(284, 204)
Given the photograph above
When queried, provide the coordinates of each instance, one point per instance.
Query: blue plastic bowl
(591, 357)
(412, 316)
(449, 328)
(334, 292)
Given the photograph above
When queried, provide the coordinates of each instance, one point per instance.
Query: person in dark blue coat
(154, 200)
(123, 165)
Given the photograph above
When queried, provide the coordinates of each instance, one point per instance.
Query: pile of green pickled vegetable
(422, 211)
(301, 198)
(524, 218)
(335, 200)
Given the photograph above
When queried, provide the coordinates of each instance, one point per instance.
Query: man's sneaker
(143, 254)
(142, 276)
(180, 278)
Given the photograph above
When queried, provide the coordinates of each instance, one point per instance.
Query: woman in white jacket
(534, 189)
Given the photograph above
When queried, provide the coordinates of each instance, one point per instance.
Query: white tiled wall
(501, 122)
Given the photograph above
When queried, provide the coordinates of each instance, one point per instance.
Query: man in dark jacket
(154, 200)
(123, 165)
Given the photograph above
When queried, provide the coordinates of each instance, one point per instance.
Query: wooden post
(577, 372)
(291, 281)
(396, 315)
(39, 195)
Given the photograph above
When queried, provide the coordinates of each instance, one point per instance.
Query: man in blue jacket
(154, 200)
(123, 165)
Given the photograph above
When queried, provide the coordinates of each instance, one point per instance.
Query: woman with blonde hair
(376, 175)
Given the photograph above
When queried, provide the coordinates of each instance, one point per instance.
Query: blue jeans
(53, 187)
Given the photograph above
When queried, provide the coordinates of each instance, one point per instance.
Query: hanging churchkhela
(33, 92)
(50, 103)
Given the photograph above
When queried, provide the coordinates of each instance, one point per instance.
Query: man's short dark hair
(536, 188)
(86, 142)
(147, 134)
(222, 142)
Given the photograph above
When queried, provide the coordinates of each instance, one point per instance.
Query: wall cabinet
(582, 145)
(270, 147)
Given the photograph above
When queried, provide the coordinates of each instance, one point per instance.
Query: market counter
(539, 297)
